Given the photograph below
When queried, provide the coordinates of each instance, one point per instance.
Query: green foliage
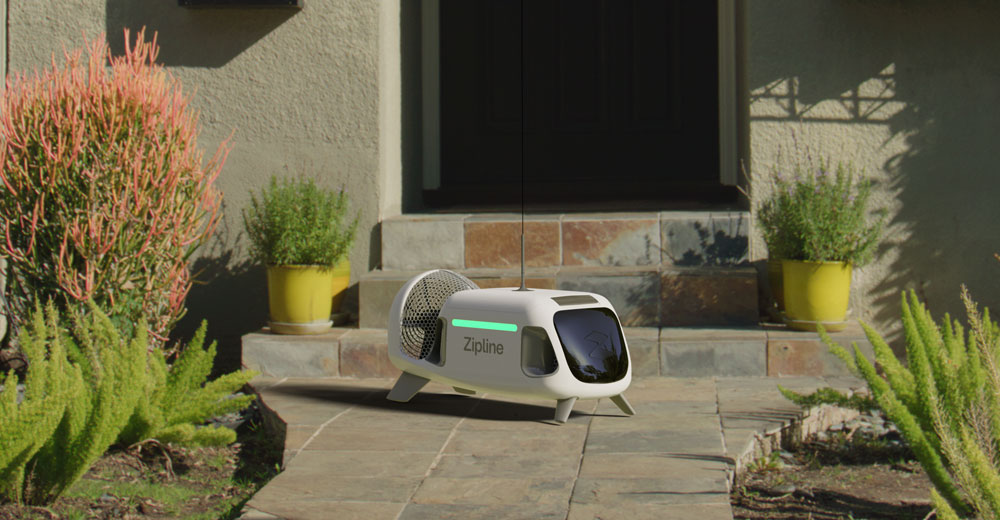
(769, 462)
(831, 396)
(821, 216)
(178, 397)
(942, 510)
(114, 373)
(296, 222)
(50, 383)
(88, 384)
(86, 388)
(946, 402)
(103, 191)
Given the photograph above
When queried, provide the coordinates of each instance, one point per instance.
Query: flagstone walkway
(350, 453)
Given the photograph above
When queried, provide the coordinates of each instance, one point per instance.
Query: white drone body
(537, 343)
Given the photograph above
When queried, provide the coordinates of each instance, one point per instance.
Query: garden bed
(151, 481)
(861, 469)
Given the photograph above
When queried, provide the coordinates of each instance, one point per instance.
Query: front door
(619, 101)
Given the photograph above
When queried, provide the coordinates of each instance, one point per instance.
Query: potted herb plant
(302, 233)
(819, 225)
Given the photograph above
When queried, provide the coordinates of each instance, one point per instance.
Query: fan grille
(418, 330)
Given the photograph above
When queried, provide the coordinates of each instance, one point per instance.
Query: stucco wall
(311, 92)
(909, 91)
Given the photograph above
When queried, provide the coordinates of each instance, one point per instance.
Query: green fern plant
(50, 383)
(80, 390)
(114, 374)
(178, 397)
(946, 402)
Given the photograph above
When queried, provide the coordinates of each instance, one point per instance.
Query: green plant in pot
(819, 224)
(303, 234)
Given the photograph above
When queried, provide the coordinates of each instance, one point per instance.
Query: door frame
(430, 80)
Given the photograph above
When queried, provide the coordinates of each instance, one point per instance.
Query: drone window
(593, 343)
(537, 356)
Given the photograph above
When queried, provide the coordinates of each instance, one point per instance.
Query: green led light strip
(488, 325)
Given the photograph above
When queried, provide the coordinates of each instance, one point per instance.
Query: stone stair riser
(670, 352)
(678, 239)
(643, 297)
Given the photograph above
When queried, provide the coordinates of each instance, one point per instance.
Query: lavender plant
(821, 215)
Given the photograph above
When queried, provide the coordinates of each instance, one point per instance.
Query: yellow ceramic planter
(341, 281)
(816, 292)
(300, 298)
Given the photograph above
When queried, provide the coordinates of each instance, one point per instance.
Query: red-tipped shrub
(104, 193)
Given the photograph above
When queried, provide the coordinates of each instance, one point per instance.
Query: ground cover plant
(91, 386)
(176, 398)
(95, 388)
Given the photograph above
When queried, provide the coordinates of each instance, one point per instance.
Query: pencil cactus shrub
(179, 398)
(91, 377)
(104, 192)
(946, 401)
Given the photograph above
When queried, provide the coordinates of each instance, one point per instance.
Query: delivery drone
(536, 343)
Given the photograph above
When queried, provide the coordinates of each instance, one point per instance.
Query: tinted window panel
(593, 343)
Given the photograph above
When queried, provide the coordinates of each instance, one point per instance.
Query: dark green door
(620, 101)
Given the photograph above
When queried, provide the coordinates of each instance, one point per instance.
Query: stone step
(473, 241)
(669, 351)
(643, 296)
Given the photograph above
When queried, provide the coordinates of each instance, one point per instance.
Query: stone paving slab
(633, 511)
(466, 511)
(350, 453)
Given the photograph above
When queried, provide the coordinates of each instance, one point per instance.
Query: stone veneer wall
(907, 92)
(667, 268)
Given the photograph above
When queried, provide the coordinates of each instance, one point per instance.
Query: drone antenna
(523, 287)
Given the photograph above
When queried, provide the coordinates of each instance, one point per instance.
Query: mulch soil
(842, 476)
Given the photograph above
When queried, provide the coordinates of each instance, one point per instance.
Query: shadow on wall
(229, 292)
(926, 71)
(188, 37)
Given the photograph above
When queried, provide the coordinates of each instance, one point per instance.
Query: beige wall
(909, 92)
(312, 92)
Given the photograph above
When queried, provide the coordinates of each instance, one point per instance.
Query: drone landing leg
(563, 408)
(623, 404)
(406, 387)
